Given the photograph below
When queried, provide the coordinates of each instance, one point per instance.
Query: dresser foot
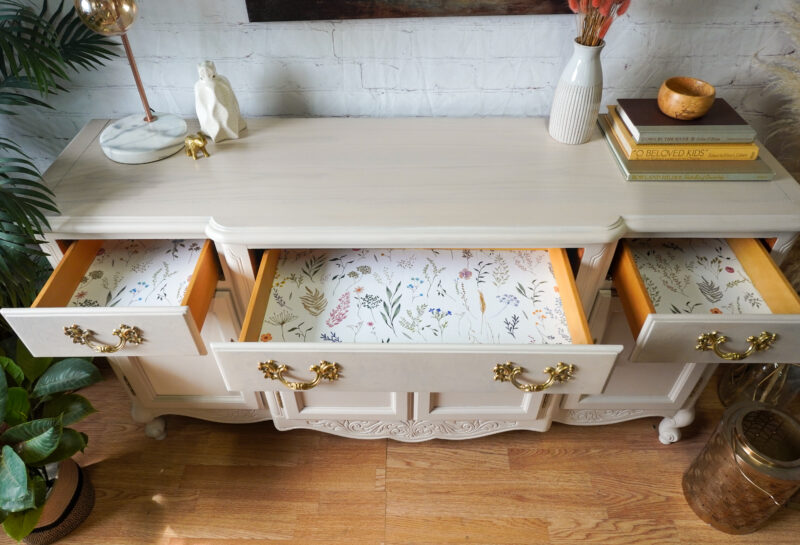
(669, 428)
(156, 428)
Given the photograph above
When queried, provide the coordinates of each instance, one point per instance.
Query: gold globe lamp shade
(132, 139)
(107, 17)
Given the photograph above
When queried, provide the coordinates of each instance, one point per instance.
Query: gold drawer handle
(714, 340)
(126, 334)
(325, 370)
(508, 372)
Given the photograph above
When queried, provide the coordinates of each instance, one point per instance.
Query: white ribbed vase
(577, 99)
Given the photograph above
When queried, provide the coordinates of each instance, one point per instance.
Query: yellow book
(677, 152)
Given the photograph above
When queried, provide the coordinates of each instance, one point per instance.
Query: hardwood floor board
(494, 502)
(348, 473)
(345, 516)
(238, 522)
(782, 529)
(469, 477)
(569, 530)
(645, 496)
(499, 530)
(590, 458)
(267, 541)
(484, 454)
(241, 444)
(250, 480)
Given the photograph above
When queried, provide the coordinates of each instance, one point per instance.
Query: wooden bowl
(685, 98)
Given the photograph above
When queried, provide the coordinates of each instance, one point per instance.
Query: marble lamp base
(132, 140)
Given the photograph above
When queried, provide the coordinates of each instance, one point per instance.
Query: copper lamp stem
(147, 115)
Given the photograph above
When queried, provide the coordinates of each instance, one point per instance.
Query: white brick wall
(463, 66)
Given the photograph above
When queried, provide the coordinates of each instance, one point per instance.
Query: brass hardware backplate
(325, 370)
(714, 341)
(125, 333)
(508, 372)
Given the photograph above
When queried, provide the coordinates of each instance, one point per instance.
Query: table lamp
(133, 139)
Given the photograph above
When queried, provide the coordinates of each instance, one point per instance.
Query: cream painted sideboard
(427, 189)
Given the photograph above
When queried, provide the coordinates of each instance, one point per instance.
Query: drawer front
(409, 368)
(675, 337)
(768, 332)
(50, 328)
(168, 331)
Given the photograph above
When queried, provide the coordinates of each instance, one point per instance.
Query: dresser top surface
(401, 182)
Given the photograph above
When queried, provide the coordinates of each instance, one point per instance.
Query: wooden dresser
(411, 278)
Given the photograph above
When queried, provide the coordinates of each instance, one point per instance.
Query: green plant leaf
(19, 525)
(18, 406)
(14, 493)
(12, 369)
(71, 442)
(67, 374)
(27, 430)
(32, 367)
(39, 487)
(3, 396)
(40, 447)
(71, 407)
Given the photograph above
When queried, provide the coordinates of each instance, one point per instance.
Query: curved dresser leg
(669, 428)
(155, 427)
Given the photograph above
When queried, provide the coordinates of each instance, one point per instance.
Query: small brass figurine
(196, 143)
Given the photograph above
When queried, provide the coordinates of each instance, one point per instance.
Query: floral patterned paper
(129, 273)
(415, 296)
(697, 276)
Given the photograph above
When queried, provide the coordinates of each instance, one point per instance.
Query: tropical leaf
(27, 430)
(71, 442)
(37, 51)
(71, 408)
(18, 406)
(18, 525)
(14, 493)
(3, 396)
(39, 447)
(13, 370)
(67, 374)
(32, 367)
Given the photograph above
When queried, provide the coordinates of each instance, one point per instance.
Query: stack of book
(649, 145)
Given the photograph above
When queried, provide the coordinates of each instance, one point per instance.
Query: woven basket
(67, 506)
(749, 468)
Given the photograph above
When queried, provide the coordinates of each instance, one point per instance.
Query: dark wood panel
(311, 10)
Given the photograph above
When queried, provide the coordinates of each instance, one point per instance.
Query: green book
(634, 171)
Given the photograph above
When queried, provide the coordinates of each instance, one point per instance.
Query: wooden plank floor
(216, 483)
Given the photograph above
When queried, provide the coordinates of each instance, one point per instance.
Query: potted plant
(37, 406)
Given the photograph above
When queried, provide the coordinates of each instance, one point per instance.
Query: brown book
(648, 125)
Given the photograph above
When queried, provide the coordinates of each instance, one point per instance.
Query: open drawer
(706, 301)
(415, 320)
(126, 297)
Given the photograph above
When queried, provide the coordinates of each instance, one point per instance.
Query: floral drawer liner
(415, 296)
(696, 276)
(128, 273)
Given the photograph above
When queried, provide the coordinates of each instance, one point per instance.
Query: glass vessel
(773, 383)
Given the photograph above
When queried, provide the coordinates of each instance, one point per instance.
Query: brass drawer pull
(325, 370)
(508, 372)
(126, 334)
(714, 340)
